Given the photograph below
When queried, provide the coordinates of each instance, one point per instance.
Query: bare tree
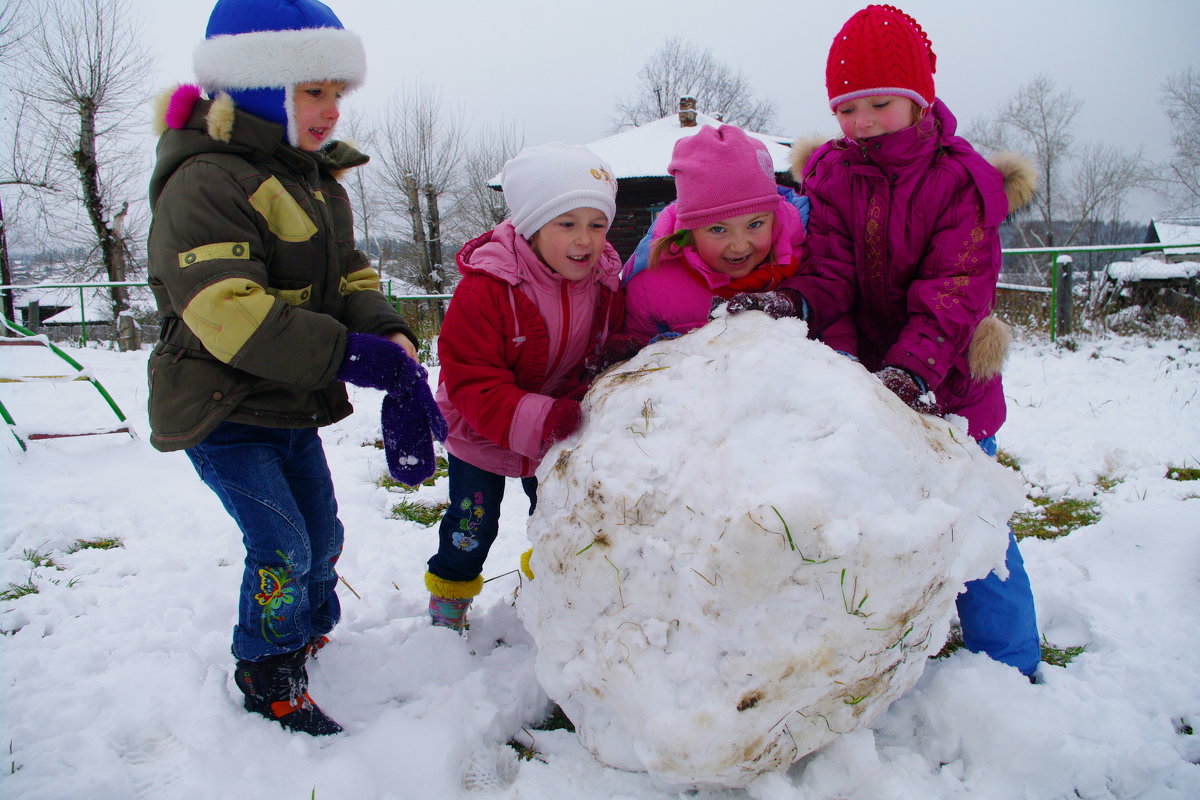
(23, 172)
(88, 70)
(480, 206)
(421, 152)
(1077, 187)
(1179, 178)
(678, 69)
(355, 130)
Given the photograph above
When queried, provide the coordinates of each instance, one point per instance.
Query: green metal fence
(1059, 258)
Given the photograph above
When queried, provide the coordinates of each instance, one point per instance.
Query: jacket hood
(506, 255)
(189, 125)
(1020, 176)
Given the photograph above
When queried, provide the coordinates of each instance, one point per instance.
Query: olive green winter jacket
(253, 266)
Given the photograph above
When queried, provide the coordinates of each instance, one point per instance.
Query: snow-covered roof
(97, 304)
(645, 151)
(1177, 232)
(1152, 269)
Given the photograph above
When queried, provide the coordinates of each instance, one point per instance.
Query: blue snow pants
(997, 616)
(276, 485)
(470, 524)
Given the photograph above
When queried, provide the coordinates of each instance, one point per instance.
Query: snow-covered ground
(115, 673)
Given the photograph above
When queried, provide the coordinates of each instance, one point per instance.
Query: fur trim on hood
(173, 107)
(802, 148)
(1020, 176)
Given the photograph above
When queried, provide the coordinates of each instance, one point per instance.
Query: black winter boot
(277, 688)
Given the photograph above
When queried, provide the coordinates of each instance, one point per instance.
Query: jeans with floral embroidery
(276, 485)
(470, 524)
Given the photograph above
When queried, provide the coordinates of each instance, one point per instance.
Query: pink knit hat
(721, 173)
(880, 51)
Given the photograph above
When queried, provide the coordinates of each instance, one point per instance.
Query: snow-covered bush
(750, 548)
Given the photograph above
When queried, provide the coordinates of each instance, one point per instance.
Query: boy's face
(571, 243)
(316, 109)
(735, 246)
(874, 116)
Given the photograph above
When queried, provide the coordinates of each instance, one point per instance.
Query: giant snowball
(750, 548)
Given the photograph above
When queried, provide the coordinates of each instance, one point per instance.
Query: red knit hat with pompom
(880, 51)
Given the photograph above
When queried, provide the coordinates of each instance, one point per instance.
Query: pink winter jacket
(512, 341)
(903, 238)
(669, 298)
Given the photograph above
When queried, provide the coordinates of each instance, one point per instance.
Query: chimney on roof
(687, 112)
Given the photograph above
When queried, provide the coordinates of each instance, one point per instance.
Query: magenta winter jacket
(511, 342)
(669, 298)
(904, 238)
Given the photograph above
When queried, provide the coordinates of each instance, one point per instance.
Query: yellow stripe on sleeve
(213, 252)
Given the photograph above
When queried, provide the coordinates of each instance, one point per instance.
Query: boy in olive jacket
(267, 308)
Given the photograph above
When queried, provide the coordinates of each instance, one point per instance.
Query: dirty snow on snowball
(781, 585)
(116, 672)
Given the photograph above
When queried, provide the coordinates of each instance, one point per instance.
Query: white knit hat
(542, 182)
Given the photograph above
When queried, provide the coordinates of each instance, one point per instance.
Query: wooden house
(1158, 281)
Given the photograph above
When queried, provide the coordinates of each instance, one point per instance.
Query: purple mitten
(379, 363)
(907, 389)
(774, 304)
(410, 424)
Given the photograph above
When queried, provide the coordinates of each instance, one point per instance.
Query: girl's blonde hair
(679, 239)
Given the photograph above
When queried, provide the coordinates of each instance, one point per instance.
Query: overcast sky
(556, 69)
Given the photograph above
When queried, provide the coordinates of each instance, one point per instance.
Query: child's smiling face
(865, 117)
(571, 243)
(735, 246)
(316, 110)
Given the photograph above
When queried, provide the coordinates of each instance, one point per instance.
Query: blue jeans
(998, 617)
(275, 483)
(470, 524)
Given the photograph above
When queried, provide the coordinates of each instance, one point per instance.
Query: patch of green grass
(1183, 473)
(420, 513)
(1054, 518)
(1007, 459)
(1106, 483)
(16, 590)
(441, 470)
(39, 559)
(103, 543)
(1057, 657)
(953, 644)
(556, 721)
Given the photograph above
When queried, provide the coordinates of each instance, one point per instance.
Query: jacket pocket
(189, 396)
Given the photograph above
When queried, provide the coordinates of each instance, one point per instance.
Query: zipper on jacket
(565, 300)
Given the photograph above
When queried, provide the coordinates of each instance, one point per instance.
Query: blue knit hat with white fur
(256, 51)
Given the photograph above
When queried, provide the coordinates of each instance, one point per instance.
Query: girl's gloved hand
(904, 384)
(774, 304)
(564, 419)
